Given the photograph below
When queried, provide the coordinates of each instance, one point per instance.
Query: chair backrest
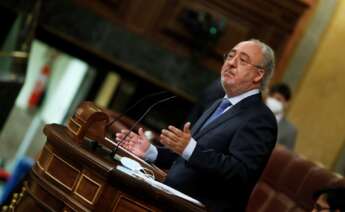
(317, 178)
(288, 183)
(294, 175)
(276, 165)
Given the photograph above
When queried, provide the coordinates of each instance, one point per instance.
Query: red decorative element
(39, 88)
(4, 175)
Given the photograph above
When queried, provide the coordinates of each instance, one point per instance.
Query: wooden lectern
(76, 171)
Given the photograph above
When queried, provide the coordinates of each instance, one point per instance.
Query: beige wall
(318, 107)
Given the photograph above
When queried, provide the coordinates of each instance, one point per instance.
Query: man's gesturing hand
(175, 139)
(136, 143)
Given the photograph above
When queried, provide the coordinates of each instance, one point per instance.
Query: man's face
(241, 71)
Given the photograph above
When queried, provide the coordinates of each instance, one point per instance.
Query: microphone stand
(133, 106)
(137, 122)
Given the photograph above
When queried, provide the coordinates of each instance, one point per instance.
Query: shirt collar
(236, 99)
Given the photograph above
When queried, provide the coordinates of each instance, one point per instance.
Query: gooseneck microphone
(133, 106)
(139, 120)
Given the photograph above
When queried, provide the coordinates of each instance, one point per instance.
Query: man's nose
(232, 61)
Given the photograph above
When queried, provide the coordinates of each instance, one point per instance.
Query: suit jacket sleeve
(248, 151)
(165, 158)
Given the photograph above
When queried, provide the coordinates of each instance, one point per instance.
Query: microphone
(140, 118)
(133, 106)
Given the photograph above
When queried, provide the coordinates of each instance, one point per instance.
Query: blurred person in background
(279, 96)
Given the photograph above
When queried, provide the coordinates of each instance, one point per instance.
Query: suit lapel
(204, 117)
(249, 101)
(218, 122)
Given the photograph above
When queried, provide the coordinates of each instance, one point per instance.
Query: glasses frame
(226, 55)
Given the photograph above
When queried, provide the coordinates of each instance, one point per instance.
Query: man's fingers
(170, 135)
(121, 138)
(124, 131)
(165, 140)
(175, 130)
(186, 127)
(118, 135)
(126, 145)
(170, 144)
(141, 132)
(130, 134)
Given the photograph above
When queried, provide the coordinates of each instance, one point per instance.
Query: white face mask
(135, 167)
(130, 164)
(276, 106)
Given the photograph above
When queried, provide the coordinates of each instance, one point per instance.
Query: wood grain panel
(88, 189)
(62, 172)
(44, 158)
(126, 204)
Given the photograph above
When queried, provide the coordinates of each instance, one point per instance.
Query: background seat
(288, 183)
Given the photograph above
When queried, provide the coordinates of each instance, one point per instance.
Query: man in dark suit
(221, 158)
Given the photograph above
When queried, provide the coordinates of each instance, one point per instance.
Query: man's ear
(259, 76)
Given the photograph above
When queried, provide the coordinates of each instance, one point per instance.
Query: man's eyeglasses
(243, 59)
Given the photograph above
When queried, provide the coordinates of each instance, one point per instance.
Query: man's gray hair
(268, 62)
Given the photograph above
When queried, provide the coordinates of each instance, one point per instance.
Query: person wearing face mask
(277, 100)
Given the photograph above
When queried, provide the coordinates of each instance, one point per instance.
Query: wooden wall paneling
(158, 32)
(271, 21)
(269, 11)
(112, 10)
(294, 38)
(174, 30)
(232, 34)
(245, 19)
(141, 15)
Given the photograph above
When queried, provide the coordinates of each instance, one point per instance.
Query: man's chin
(228, 81)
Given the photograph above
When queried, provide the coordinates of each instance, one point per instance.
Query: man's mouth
(228, 73)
